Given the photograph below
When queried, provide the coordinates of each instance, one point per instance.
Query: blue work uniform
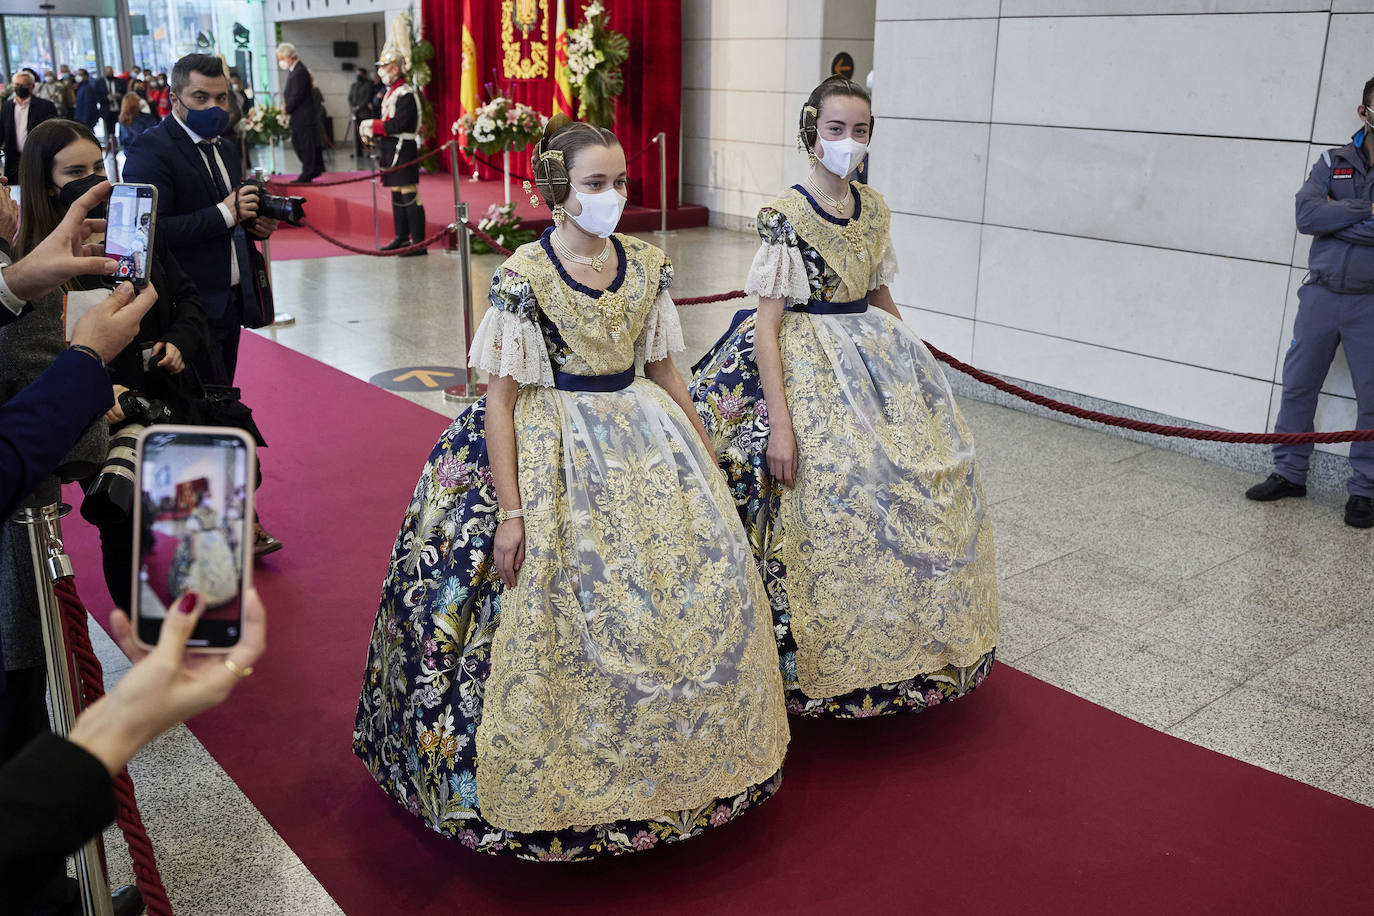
(1335, 307)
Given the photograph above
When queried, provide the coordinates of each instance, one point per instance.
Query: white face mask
(282, 64)
(842, 156)
(600, 212)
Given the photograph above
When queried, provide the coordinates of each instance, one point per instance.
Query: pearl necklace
(595, 263)
(836, 203)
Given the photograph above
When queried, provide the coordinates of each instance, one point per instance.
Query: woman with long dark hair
(63, 161)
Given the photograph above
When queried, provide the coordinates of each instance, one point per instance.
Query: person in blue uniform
(1335, 308)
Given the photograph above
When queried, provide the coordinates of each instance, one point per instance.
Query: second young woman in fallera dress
(574, 654)
(851, 466)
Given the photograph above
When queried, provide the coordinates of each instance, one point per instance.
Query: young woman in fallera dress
(574, 654)
(850, 463)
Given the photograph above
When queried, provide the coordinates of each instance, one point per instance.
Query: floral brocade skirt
(879, 564)
(624, 693)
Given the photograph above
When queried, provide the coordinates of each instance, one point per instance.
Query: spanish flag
(562, 91)
(468, 101)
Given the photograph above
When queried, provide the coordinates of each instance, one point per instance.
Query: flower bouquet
(501, 223)
(264, 123)
(500, 125)
(595, 54)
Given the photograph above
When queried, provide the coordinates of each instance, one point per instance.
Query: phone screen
(129, 230)
(193, 531)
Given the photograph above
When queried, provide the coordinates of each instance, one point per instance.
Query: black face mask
(23, 92)
(71, 192)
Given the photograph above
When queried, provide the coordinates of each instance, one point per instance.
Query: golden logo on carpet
(525, 56)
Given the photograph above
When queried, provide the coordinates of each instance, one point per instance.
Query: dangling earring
(558, 215)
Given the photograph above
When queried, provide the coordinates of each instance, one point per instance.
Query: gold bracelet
(503, 516)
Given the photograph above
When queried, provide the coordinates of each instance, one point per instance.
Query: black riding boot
(401, 221)
(415, 216)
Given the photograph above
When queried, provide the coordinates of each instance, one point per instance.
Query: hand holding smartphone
(193, 516)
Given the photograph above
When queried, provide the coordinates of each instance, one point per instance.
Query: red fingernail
(187, 604)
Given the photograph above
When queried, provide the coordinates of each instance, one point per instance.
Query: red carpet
(345, 212)
(1019, 799)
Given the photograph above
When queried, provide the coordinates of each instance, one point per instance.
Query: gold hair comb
(552, 154)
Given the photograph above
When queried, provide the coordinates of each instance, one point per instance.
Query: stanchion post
(50, 563)
(662, 140)
(466, 391)
(376, 236)
(283, 319)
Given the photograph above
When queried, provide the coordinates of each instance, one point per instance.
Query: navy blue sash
(822, 307)
(566, 381)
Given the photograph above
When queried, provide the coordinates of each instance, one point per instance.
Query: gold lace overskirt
(886, 539)
(634, 671)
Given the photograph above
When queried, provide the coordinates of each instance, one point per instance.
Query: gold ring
(238, 672)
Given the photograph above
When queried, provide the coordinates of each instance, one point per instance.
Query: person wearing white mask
(573, 656)
(850, 464)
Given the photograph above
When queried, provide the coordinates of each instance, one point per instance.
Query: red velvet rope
(92, 680)
(1140, 426)
(368, 177)
(372, 252)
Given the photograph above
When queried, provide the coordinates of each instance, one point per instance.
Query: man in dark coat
(298, 100)
(19, 115)
(209, 217)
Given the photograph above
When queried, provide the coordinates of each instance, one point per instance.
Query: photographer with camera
(207, 213)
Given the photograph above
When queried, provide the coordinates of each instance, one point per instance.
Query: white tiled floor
(1138, 578)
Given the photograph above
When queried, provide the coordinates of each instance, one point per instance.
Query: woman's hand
(782, 454)
(167, 685)
(510, 549)
(116, 413)
(171, 360)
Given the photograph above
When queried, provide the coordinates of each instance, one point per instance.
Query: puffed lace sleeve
(508, 341)
(778, 271)
(885, 271)
(662, 332)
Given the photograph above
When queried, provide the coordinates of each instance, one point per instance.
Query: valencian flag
(468, 101)
(562, 90)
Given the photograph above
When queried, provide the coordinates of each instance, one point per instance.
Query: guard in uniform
(397, 131)
(1335, 306)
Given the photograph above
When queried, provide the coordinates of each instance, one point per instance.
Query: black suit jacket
(188, 213)
(298, 99)
(40, 110)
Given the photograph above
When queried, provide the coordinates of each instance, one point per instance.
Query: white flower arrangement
(595, 54)
(262, 124)
(500, 124)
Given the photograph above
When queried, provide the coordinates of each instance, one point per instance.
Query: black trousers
(308, 151)
(225, 331)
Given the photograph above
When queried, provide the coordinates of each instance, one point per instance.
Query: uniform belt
(618, 381)
(822, 307)
(415, 137)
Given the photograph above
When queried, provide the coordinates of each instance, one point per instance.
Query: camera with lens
(289, 210)
(110, 496)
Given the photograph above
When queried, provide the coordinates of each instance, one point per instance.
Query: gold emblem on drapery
(525, 39)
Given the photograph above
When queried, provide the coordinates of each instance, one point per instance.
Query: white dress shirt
(21, 121)
(228, 214)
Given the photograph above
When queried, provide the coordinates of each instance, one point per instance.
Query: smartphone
(131, 221)
(193, 523)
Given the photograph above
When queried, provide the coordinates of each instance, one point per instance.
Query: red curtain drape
(651, 102)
